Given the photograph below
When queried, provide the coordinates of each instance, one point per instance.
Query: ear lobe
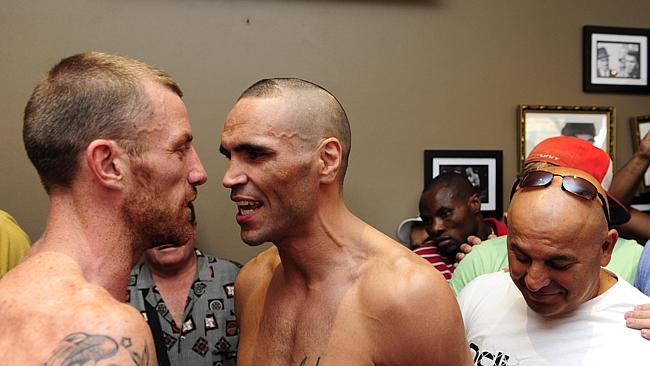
(330, 159)
(505, 218)
(104, 160)
(475, 203)
(608, 247)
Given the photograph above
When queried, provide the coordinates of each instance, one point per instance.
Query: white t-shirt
(503, 331)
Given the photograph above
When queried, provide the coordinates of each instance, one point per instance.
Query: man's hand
(465, 248)
(639, 318)
(644, 146)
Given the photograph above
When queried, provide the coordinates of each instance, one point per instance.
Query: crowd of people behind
(116, 277)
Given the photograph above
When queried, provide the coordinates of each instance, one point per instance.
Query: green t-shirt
(492, 256)
(14, 243)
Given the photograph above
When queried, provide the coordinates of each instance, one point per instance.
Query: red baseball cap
(576, 153)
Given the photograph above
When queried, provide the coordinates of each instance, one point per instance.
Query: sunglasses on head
(570, 183)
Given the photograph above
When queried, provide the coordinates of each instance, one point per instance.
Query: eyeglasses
(570, 183)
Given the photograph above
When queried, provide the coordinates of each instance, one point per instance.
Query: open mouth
(245, 208)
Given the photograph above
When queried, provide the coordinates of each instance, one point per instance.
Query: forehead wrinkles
(276, 117)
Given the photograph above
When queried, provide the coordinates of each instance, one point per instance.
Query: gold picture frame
(594, 123)
(639, 126)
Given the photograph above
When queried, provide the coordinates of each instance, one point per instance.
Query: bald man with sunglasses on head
(557, 305)
(565, 151)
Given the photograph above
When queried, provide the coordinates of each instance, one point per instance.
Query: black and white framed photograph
(640, 127)
(593, 124)
(615, 59)
(483, 168)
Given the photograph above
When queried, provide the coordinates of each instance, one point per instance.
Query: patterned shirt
(209, 333)
(432, 254)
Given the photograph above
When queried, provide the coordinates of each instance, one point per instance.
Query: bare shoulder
(391, 263)
(55, 317)
(412, 282)
(414, 305)
(256, 271)
(121, 338)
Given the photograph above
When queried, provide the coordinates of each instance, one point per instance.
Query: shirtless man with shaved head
(332, 290)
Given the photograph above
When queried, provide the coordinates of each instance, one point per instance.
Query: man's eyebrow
(249, 147)
(516, 247)
(563, 257)
(245, 147)
(185, 138)
(223, 151)
(560, 257)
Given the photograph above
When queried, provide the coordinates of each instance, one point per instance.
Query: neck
(184, 269)
(484, 229)
(95, 238)
(606, 280)
(331, 241)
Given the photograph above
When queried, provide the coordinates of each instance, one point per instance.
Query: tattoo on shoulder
(304, 361)
(78, 349)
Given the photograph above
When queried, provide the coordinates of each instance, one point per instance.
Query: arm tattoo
(79, 349)
(304, 361)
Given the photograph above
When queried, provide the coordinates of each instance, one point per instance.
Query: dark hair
(458, 183)
(85, 97)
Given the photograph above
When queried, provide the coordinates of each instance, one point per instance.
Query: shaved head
(557, 244)
(317, 113)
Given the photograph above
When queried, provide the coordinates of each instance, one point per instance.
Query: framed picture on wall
(483, 168)
(640, 127)
(538, 122)
(615, 60)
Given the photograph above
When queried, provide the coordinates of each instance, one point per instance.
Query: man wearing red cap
(557, 305)
(564, 151)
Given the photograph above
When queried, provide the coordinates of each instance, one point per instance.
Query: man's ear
(505, 218)
(330, 154)
(474, 203)
(608, 247)
(106, 162)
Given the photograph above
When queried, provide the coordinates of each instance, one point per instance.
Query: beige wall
(412, 74)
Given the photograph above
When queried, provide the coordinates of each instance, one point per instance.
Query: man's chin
(172, 239)
(544, 309)
(250, 239)
(450, 250)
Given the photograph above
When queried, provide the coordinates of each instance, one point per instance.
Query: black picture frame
(640, 125)
(539, 122)
(486, 165)
(608, 55)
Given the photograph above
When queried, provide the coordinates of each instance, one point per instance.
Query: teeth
(246, 207)
(244, 211)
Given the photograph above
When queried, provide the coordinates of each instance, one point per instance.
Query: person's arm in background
(639, 317)
(638, 228)
(627, 179)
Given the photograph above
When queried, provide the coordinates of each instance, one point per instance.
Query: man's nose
(234, 175)
(198, 175)
(536, 277)
(438, 225)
